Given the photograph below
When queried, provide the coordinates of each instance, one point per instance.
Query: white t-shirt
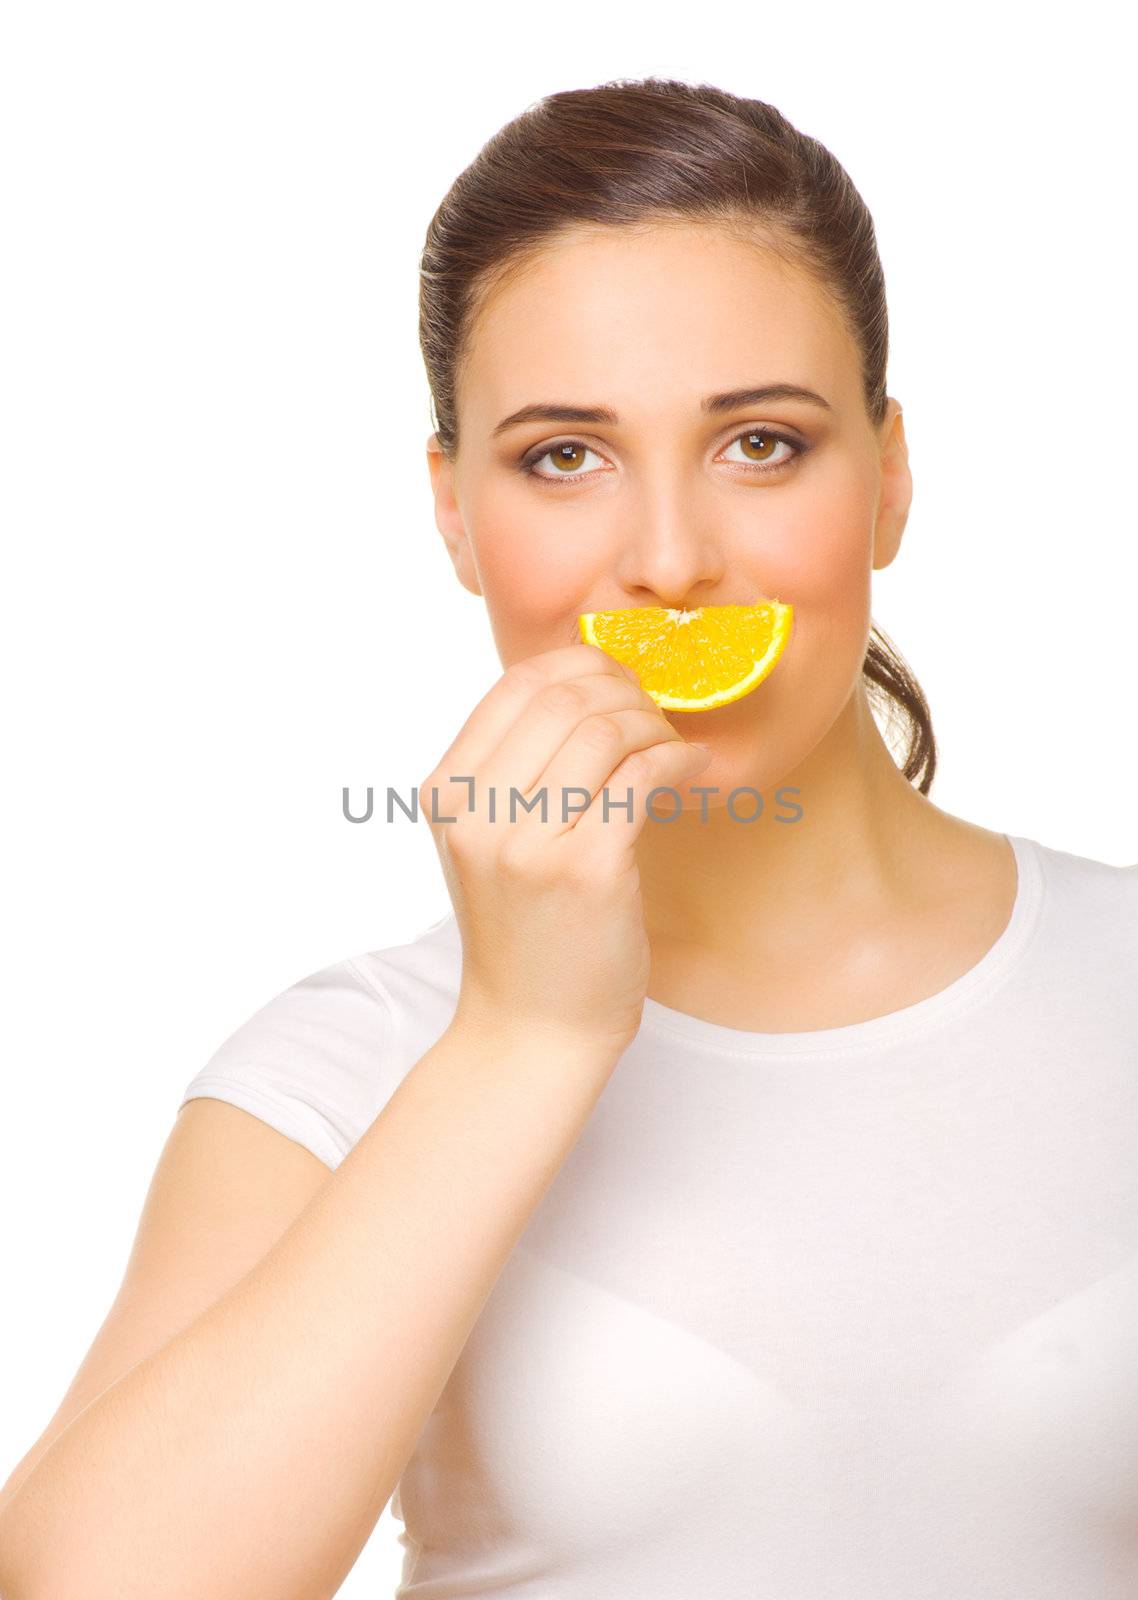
(849, 1314)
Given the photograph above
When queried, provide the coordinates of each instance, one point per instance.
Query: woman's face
(669, 501)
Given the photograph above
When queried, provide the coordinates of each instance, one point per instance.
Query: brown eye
(760, 448)
(566, 457)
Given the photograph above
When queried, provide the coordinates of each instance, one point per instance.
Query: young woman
(743, 1206)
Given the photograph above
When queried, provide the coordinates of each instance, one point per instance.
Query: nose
(670, 555)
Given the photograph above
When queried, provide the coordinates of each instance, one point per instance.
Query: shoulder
(1090, 903)
(319, 1059)
(1087, 878)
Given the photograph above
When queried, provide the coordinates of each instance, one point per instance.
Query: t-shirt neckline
(961, 995)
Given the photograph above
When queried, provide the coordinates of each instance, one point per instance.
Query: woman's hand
(550, 913)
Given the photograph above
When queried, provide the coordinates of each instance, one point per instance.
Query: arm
(254, 1451)
(225, 1187)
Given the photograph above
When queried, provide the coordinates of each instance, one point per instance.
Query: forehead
(648, 318)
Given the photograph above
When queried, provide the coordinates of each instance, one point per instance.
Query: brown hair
(652, 150)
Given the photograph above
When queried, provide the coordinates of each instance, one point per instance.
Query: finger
(672, 763)
(590, 756)
(505, 703)
(573, 732)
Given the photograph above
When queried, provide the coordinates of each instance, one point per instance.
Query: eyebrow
(711, 405)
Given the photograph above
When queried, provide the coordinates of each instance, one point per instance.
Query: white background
(224, 596)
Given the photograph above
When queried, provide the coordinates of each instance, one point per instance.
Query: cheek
(832, 587)
(511, 554)
(822, 563)
(820, 555)
(514, 575)
(818, 551)
(534, 570)
(528, 582)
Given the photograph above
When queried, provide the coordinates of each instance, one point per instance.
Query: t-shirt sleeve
(314, 1062)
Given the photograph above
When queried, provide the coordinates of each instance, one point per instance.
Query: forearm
(255, 1451)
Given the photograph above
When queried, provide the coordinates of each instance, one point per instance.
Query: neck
(866, 843)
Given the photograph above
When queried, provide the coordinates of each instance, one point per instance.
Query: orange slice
(693, 660)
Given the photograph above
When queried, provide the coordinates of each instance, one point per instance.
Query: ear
(448, 518)
(896, 491)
